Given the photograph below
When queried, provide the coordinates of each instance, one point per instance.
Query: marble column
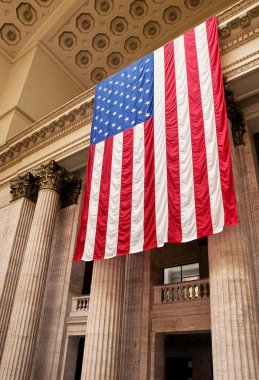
(22, 332)
(135, 325)
(104, 325)
(234, 309)
(13, 245)
(132, 315)
(49, 337)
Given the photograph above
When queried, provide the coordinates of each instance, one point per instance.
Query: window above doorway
(181, 273)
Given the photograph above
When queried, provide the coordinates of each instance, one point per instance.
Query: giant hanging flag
(159, 167)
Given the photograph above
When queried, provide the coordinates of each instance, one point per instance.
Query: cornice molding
(229, 74)
(235, 9)
(52, 127)
(238, 40)
(85, 97)
(37, 142)
(67, 150)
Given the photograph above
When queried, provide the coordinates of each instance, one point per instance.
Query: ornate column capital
(235, 115)
(70, 193)
(24, 186)
(51, 176)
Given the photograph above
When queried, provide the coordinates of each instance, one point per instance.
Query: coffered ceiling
(94, 39)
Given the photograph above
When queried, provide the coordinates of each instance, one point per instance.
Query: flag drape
(159, 167)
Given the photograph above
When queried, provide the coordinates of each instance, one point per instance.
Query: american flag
(159, 167)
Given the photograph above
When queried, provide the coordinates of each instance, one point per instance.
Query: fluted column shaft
(132, 318)
(49, 337)
(103, 334)
(21, 337)
(234, 313)
(14, 244)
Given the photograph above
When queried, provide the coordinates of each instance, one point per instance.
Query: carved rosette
(70, 193)
(24, 186)
(235, 115)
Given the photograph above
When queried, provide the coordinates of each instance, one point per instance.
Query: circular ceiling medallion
(119, 25)
(101, 42)
(193, 4)
(115, 60)
(138, 9)
(151, 29)
(67, 41)
(172, 15)
(104, 7)
(83, 58)
(85, 22)
(132, 44)
(26, 14)
(98, 74)
(10, 34)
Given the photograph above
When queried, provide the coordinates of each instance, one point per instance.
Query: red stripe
(103, 207)
(172, 148)
(79, 250)
(225, 165)
(126, 194)
(200, 170)
(150, 240)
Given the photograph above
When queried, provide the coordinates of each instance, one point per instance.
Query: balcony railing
(80, 303)
(182, 292)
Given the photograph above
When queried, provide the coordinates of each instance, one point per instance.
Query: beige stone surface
(5, 65)
(20, 98)
(21, 338)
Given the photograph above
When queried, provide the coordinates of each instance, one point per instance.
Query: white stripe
(216, 203)
(114, 198)
(160, 149)
(188, 215)
(93, 202)
(137, 212)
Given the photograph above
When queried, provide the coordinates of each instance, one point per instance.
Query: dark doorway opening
(79, 360)
(179, 368)
(188, 357)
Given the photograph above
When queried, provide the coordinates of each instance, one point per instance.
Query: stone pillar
(22, 332)
(234, 314)
(13, 245)
(104, 325)
(49, 338)
(132, 313)
(135, 325)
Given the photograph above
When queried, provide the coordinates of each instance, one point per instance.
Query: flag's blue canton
(124, 100)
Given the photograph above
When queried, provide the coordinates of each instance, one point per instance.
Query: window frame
(180, 265)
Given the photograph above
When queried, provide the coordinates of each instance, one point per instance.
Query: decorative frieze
(46, 133)
(239, 30)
